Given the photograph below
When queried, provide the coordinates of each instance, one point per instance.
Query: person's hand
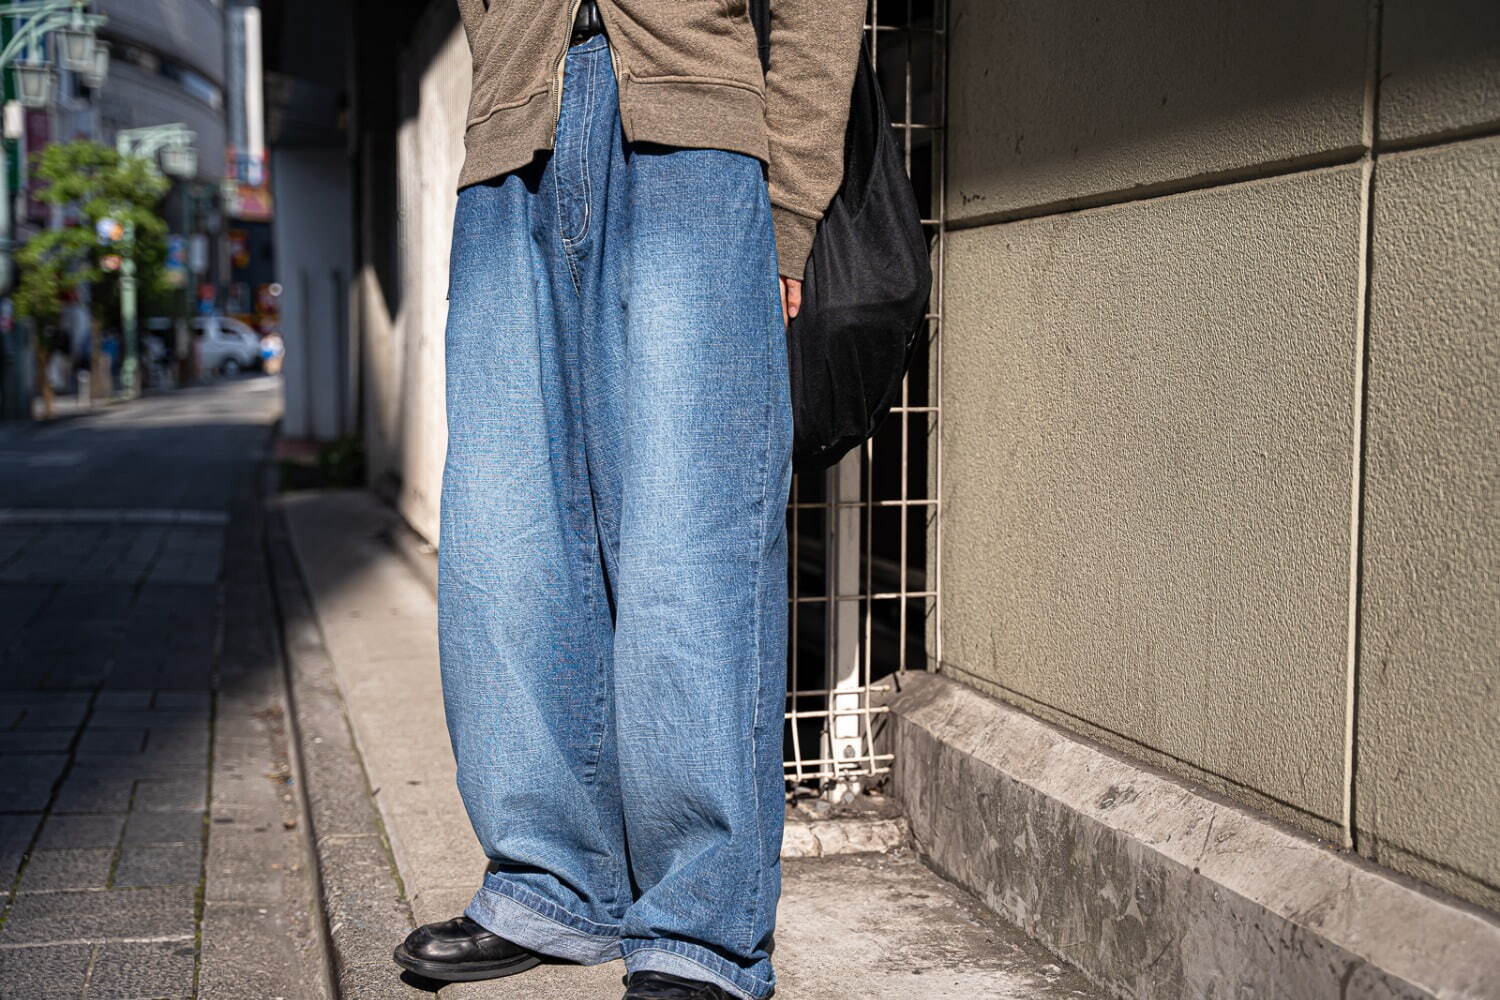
(791, 298)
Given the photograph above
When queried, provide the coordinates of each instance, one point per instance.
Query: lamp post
(178, 157)
(36, 79)
(30, 23)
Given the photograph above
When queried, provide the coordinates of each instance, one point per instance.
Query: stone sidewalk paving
(151, 837)
(852, 927)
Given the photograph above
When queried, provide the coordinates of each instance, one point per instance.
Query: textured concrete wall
(406, 429)
(1160, 501)
(1429, 747)
(1147, 438)
(1055, 101)
(1440, 69)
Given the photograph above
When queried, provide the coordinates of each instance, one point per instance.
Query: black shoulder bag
(865, 288)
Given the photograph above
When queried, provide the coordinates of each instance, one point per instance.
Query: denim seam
(583, 157)
(557, 201)
(718, 977)
(571, 244)
(753, 912)
(566, 255)
(534, 902)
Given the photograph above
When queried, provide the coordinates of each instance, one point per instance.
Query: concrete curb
(1153, 889)
(363, 899)
(825, 838)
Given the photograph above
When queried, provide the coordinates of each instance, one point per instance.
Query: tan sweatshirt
(689, 76)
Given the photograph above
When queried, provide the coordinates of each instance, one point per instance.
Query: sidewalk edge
(364, 900)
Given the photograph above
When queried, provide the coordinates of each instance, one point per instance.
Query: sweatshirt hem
(683, 114)
(506, 140)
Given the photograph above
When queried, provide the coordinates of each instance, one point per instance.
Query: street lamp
(75, 47)
(36, 83)
(180, 161)
(74, 30)
(174, 143)
(98, 71)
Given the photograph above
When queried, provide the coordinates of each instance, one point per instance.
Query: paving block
(183, 699)
(150, 764)
(164, 828)
(174, 794)
(45, 972)
(191, 744)
(131, 718)
(123, 699)
(70, 868)
(40, 917)
(23, 793)
(76, 831)
(85, 794)
(40, 741)
(111, 742)
(16, 830)
(135, 969)
(173, 864)
(248, 951)
(248, 865)
(32, 767)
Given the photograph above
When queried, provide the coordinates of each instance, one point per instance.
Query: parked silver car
(226, 345)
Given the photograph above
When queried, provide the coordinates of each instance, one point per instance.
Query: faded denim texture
(612, 593)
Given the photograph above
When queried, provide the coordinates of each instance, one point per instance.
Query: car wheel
(230, 367)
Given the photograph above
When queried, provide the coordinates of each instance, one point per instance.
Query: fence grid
(864, 581)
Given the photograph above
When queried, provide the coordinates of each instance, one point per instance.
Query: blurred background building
(167, 64)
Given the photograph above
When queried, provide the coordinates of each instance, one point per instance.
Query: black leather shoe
(649, 985)
(461, 951)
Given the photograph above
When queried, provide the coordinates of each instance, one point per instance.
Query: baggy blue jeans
(612, 589)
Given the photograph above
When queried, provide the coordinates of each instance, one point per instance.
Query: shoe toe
(449, 941)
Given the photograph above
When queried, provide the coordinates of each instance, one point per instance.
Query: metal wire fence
(865, 599)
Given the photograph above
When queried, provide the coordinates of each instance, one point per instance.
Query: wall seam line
(1359, 455)
(1268, 171)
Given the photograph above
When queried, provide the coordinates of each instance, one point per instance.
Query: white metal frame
(844, 508)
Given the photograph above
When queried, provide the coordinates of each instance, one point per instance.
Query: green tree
(92, 183)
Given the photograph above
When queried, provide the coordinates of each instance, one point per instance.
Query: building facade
(1221, 390)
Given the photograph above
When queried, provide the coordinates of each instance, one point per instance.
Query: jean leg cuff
(533, 922)
(690, 961)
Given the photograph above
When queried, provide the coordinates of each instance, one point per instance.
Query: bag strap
(760, 17)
